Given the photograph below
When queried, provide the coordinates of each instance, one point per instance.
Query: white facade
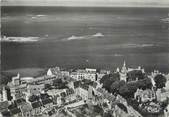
(89, 74)
(82, 93)
(49, 72)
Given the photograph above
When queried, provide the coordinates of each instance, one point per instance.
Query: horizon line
(81, 6)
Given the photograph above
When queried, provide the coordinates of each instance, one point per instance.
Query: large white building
(81, 74)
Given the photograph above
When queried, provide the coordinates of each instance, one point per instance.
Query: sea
(76, 37)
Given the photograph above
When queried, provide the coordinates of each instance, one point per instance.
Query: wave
(138, 45)
(85, 37)
(165, 20)
(40, 15)
(20, 39)
(98, 35)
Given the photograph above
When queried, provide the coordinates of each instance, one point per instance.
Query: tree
(124, 91)
(135, 74)
(160, 81)
(144, 84)
(115, 87)
(107, 80)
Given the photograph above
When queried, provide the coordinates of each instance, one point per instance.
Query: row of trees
(113, 84)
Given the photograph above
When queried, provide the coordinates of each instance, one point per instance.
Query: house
(74, 75)
(82, 91)
(35, 89)
(144, 95)
(18, 91)
(4, 106)
(70, 95)
(16, 112)
(166, 111)
(65, 73)
(120, 110)
(5, 113)
(36, 108)
(47, 102)
(162, 94)
(26, 110)
(19, 102)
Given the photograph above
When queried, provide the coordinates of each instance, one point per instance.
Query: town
(89, 92)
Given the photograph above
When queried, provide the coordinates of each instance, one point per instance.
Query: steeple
(124, 69)
(123, 73)
(124, 64)
(117, 70)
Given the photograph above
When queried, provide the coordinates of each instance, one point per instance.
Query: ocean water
(86, 37)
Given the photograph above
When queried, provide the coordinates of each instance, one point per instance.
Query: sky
(88, 3)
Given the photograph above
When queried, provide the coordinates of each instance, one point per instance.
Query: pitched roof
(46, 101)
(6, 113)
(3, 105)
(36, 104)
(20, 101)
(26, 107)
(123, 107)
(15, 111)
(77, 84)
(106, 94)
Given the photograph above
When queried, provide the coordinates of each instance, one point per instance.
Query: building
(26, 110)
(14, 110)
(82, 91)
(123, 73)
(120, 110)
(3, 95)
(144, 95)
(4, 106)
(162, 94)
(47, 102)
(65, 74)
(18, 91)
(53, 71)
(81, 74)
(16, 80)
(166, 111)
(36, 108)
(34, 89)
(47, 79)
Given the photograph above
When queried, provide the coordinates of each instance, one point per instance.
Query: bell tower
(123, 73)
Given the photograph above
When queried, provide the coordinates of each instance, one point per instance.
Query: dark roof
(15, 111)
(63, 94)
(46, 101)
(3, 105)
(77, 84)
(86, 87)
(36, 104)
(20, 101)
(69, 91)
(122, 106)
(44, 96)
(106, 94)
(12, 106)
(6, 113)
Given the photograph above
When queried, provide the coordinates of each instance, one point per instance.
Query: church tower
(123, 73)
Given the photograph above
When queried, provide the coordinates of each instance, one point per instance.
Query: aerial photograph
(84, 58)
